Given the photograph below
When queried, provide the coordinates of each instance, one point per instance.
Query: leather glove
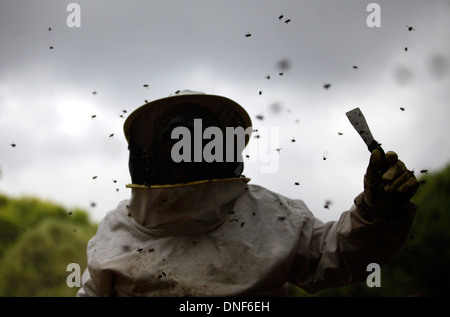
(385, 193)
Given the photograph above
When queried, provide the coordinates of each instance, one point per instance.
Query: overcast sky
(47, 100)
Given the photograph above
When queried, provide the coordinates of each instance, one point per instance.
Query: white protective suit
(230, 238)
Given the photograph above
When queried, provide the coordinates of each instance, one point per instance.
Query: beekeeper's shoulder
(115, 220)
(270, 202)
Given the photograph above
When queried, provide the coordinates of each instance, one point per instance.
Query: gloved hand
(386, 193)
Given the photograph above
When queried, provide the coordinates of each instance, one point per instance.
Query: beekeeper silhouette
(199, 228)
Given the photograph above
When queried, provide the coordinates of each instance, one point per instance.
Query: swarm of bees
(283, 66)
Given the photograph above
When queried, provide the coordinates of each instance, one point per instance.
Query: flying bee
(145, 86)
(278, 149)
(111, 135)
(94, 92)
(260, 92)
(51, 47)
(287, 21)
(140, 250)
(280, 17)
(355, 67)
(248, 34)
(93, 116)
(260, 117)
(326, 86)
(297, 183)
(340, 133)
(424, 171)
(94, 177)
(268, 77)
(410, 28)
(327, 204)
(13, 144)
(284, 64)
(162, 274)
(402, 109)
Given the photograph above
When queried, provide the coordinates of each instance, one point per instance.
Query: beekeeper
(199, 228)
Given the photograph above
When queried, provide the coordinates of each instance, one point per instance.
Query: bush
(39, 239)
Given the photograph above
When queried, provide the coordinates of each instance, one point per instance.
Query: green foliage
(421, 267)
(38, 240)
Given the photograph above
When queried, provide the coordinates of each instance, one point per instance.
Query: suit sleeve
(96, 282)
(337, 253)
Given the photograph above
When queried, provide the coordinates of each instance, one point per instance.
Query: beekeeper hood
(179, 198)
(149, 128)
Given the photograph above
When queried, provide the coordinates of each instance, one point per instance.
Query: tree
(38, 240)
